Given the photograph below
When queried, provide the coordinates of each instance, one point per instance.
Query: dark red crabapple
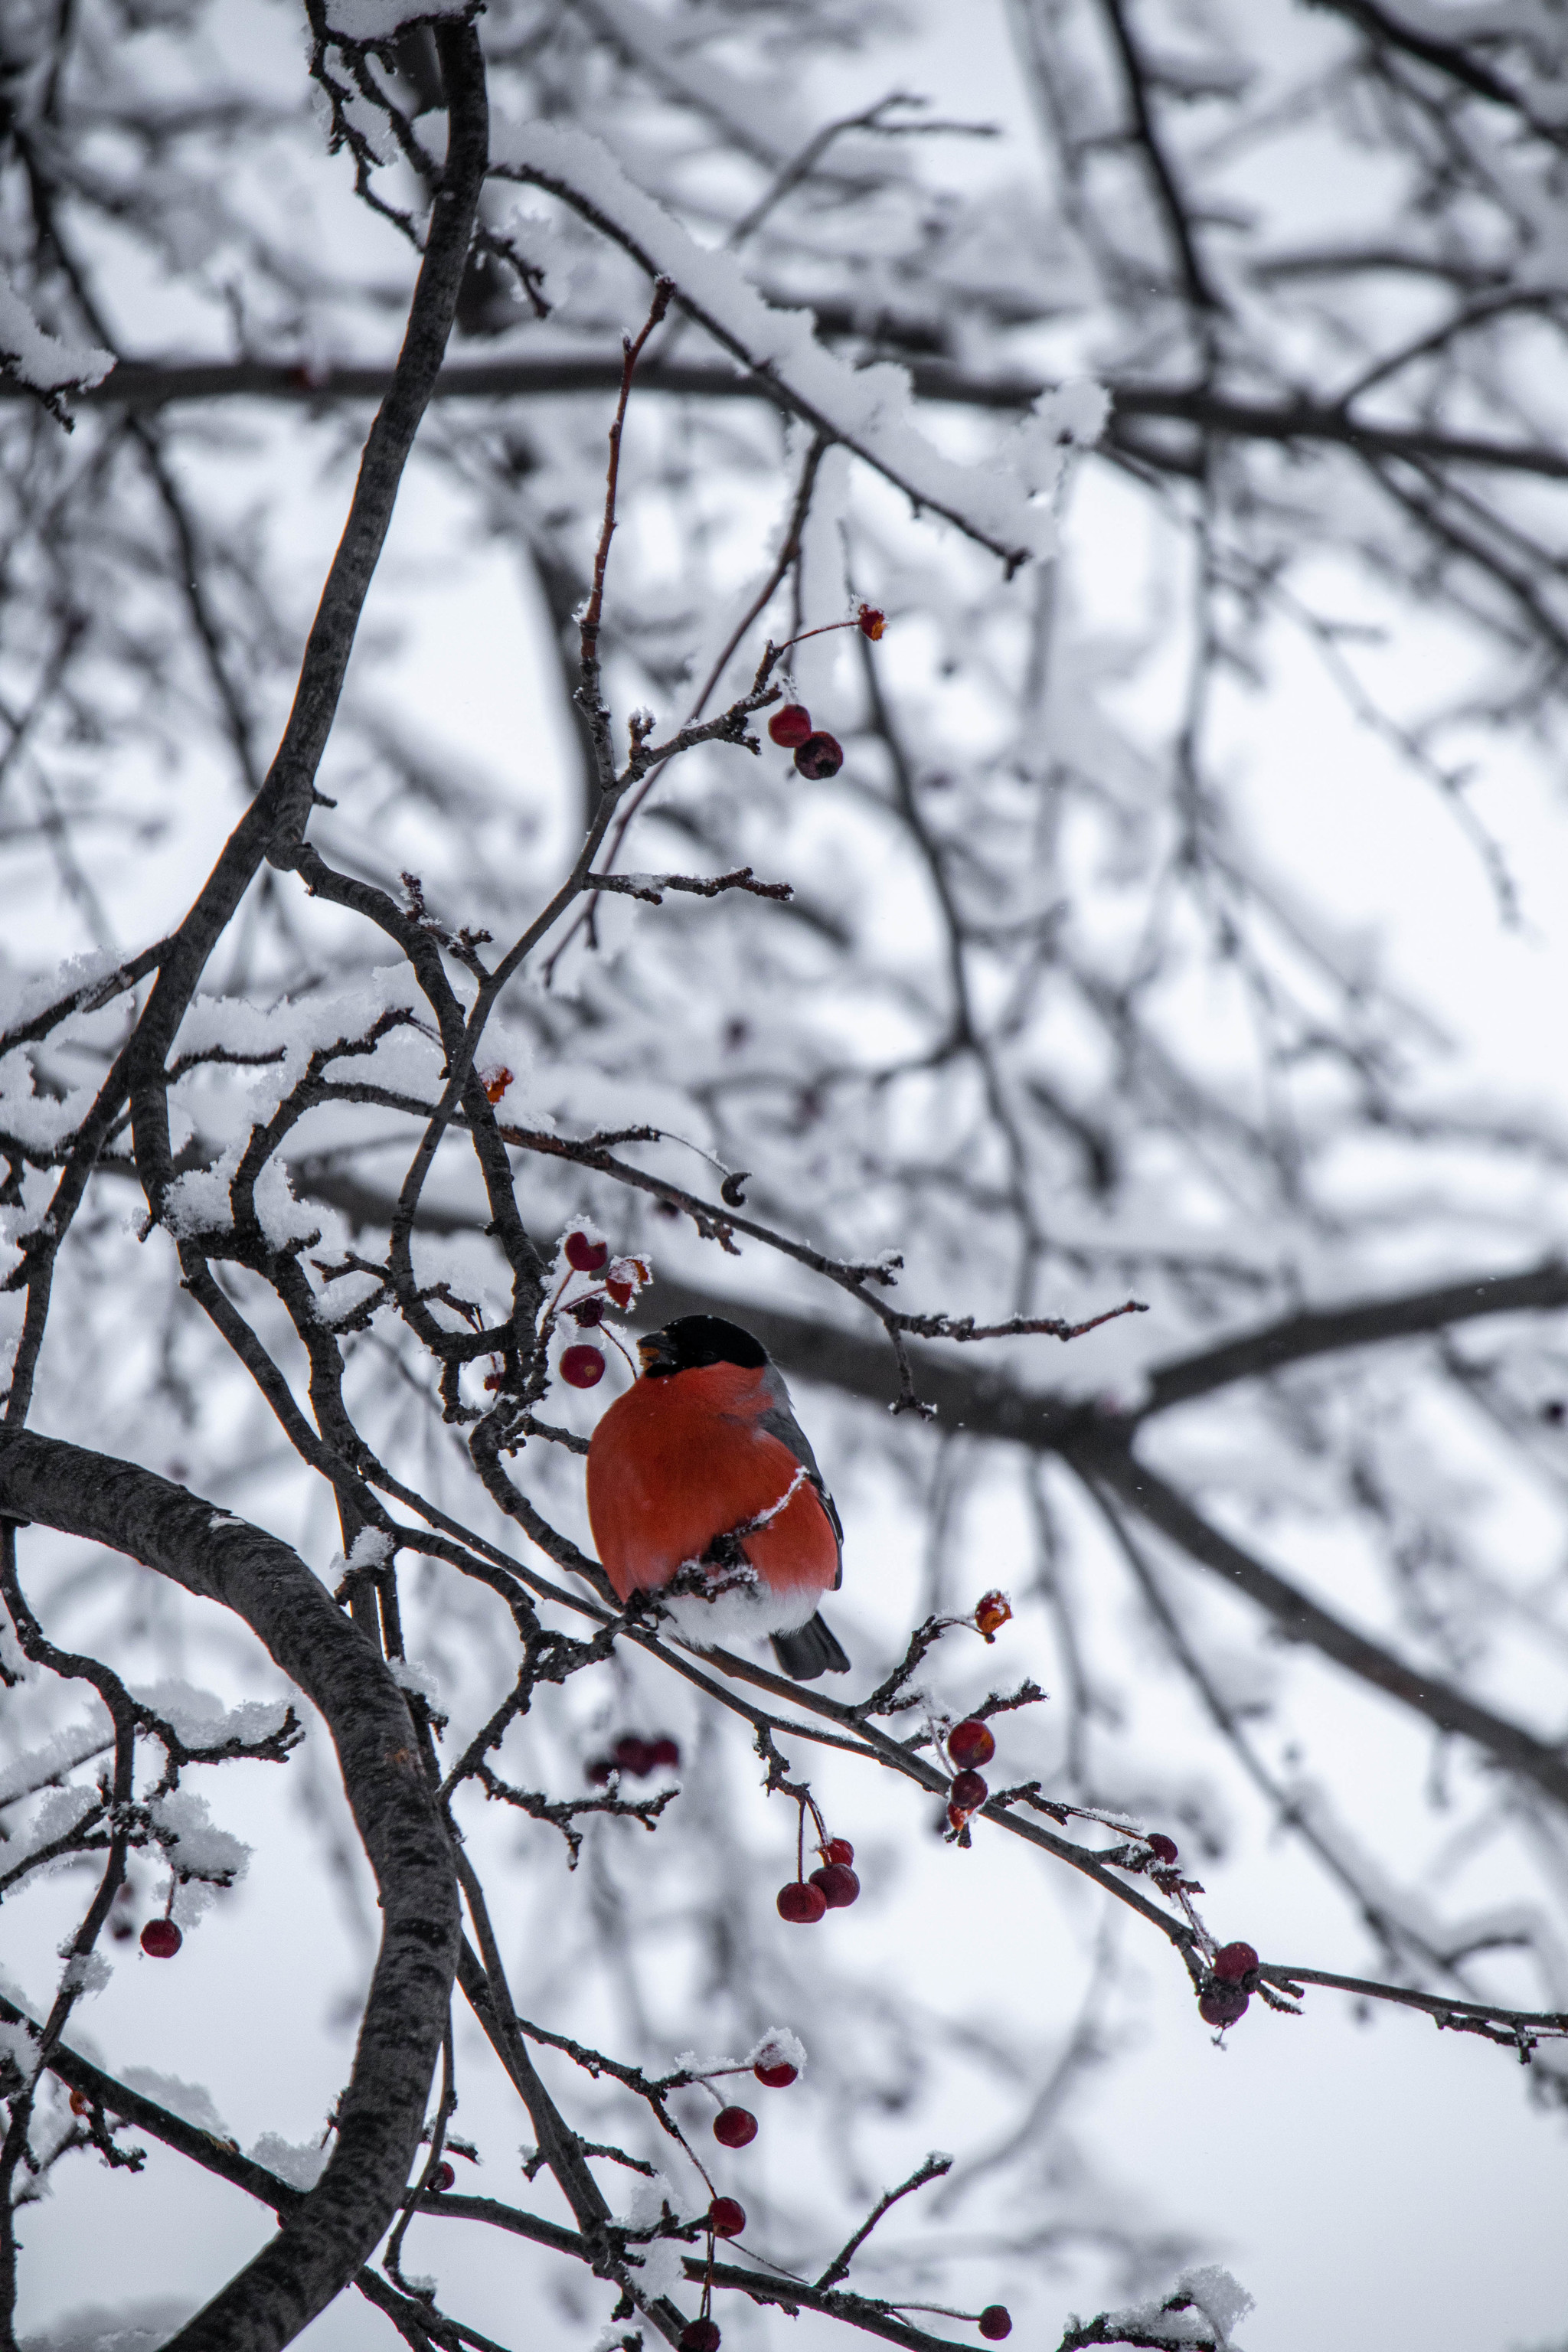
(970, 1745)
(160, 1938)
(1222, 2004)
(802, 1905)
(664, 1750)
(443, 2176)
(700, 2336)
(791, 725)
(837, 1884)
(582, 1366)
(735, 2126)
(837, 1850)
(584, 1256)
(820, 755)
(872, 623)
(1234, 1962)
(634, 1754)
(968, 1790)
(995, 2321)
(776, 2078)
(1164, 1849)
(587, 1311)
(726, 2217)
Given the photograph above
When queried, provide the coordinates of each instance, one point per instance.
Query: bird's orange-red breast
(705, 1446)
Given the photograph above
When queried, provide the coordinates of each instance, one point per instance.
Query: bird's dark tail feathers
(812, 1650)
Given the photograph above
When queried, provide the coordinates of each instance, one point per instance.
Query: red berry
(726, 2217)
(956, 1817)
(820, 755)
(995, 2321)
(971, 1744)
(582, 1366)
(872, 625)
(1234, 1962)
(802, 1905)
(664, 1751)
(160, 1938)
(597, 1770)
(735, 2127)
(838, 1883)
(586, 1312)
(991, 1609)
(791, 725)
(700, 2336)
(1222, 2004)
(121, 1930)
(585, 1255)
(1164, 1849)
(776, 2078)
(968, 1792)
(443, 2177)
(634, 1754)
(839, 1850)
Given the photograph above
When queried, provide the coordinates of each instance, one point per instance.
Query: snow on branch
(1005, 507)
(45, 366)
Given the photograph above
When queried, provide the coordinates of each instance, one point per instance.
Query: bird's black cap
(693, 1340)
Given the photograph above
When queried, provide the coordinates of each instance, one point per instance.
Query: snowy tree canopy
(1111, 1065)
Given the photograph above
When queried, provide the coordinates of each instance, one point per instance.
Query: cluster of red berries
(160, 1939)
(581, 1365)
(817, 754)
(969, 1745)
(1233, 1979)
(637, 1757)
(803, 1901)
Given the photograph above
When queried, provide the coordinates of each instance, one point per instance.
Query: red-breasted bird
(703, 1463)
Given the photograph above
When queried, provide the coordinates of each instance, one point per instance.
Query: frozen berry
(735, 2127)
(663, 1752)
(803, 1905)
(956, 1817)
(777, 2077)
(820, 755)
(700, 2336)
(872, 623)
(839, 1850)
(1234, 1962)
(971, 1744)
(161, 1939)
(496, 1085)
(443, 2176)
(726, 2217)
(791, 725)
(1164, 1849)
(586, 1312)
(121, 1930)
(995, 2321)
(991, 1609)
(968, 1790)
(838, 1882)
(634, 1754)
(1221, 2004)
(586, 1256)
(597, 1770)
(582, 1366)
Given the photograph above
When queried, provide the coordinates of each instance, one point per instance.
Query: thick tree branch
(329, 2235)
(1299, 422)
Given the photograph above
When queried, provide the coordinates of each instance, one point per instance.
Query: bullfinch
(702, 1464)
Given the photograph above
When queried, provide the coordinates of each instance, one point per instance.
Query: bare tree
(979, 1022)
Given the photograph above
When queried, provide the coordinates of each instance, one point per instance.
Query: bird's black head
(693, 1340)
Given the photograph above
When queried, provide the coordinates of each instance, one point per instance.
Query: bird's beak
(657, 1353)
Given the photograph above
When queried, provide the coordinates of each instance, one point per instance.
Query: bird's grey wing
(779, 1421)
